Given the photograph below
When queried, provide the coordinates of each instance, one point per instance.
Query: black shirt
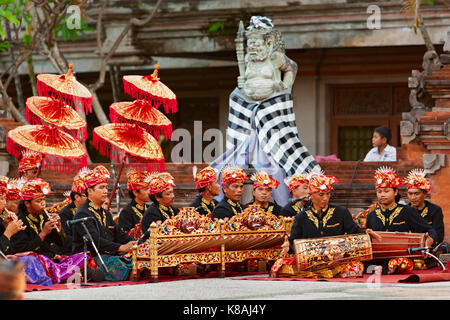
(227, 209)
(433, 216)
(271, 207)
(293, 208)
(203, 206)
(156, 212)
(401, 218)
(29, 240)
(131, 215)
(5, 244)
(333, 221)
(67, 214)
(106, 234)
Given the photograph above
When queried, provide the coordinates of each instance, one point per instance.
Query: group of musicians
(86, 224)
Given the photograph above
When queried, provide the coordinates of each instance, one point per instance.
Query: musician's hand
(49, 225)
(13, 227)
(284, 248)
(57, 220)
(9, 217)
(373, 234)
(428, 241)
(127, 247)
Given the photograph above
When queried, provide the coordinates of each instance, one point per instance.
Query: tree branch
(99, 27)
(131, 22)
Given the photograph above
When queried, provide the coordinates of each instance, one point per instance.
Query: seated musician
(162, 197)
(9, 224)
(208, 188)
(262, 192)
(109, 239)
(78, 198)
(37, 245)
(233, 179)
(41, 233)
(322, 219)
(298, 190)
(29, 164)
(393, 216)
(137, 185)
(418, 187)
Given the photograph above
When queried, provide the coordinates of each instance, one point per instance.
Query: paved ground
(228, 289)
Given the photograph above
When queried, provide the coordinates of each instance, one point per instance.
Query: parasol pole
(122, 164)
(40, 166)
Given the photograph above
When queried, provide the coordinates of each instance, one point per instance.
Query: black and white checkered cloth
(274, 122)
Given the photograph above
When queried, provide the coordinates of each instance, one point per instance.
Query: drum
(395, 244)
(320, 253)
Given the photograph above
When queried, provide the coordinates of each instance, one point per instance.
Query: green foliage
(216, 27)
(4, 46)
(71, 33)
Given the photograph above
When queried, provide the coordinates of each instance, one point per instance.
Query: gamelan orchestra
(290, 228)
(317, 238)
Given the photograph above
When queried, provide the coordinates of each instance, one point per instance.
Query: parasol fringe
(155, 130)
(58, 164)
(44, 90)
(106, 149)
(155, 101)
(80, 134)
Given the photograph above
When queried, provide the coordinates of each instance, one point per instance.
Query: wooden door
(357, 109)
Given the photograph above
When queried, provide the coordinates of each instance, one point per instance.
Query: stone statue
(261, 132)
(267, 69)
(447, 41)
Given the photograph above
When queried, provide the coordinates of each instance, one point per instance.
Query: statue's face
(257, 48)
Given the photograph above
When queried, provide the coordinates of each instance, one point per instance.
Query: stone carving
(409, 127)
(265, 69)
(447, 41)
(446, 128)
(433, 162)
(430, 64)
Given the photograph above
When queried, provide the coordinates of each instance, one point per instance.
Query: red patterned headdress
(296, 181)
(262, 179)
(319, 182)
(34, 188)
(78, 181)
(30, 160)
(4, 181)
(14, 186)
(137, 180)
(96, 176)
(416, 179)
(160, 182)
(385, 177)
(205, 177)
(233, 175)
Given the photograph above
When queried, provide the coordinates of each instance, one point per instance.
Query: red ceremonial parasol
(65, 88)
(45, 110)
(143, 114)
(129, 144)
(60, 151)
(151, 90)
